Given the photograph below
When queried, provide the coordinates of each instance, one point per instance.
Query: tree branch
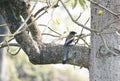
(37, 51)
(87, 28)
(53, 54)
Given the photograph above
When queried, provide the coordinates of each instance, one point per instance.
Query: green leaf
(67, 1)
(74, 4)
(82, 3)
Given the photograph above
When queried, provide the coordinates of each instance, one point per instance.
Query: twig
(44, 8)
(2, 44)
(79, 36)
(50, 29)
(19, 30)
(85, 24)
(8, 50)
(108, 25)
(78, 17)
(50, 34)
(106, 46)
(6, 35)
(3, 25)
(85, 42)
(11, 44)
(8, 47)
(16, 52)
(87, 28)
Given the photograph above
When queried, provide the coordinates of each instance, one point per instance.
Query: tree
(99, 58)
(104, 57)
(2, 52)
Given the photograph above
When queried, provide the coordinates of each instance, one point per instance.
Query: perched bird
(69, 40)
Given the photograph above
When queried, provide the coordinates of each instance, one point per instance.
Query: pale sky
(59, 20)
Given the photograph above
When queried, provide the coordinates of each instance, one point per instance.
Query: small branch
(11, 53)
(79, 36)
(16, 52)
(50, 35)
(85, 42)
(106, 46)
(40, 10)
(11, 44)
(20, 30)
(3, 25)
(87, 28)
(108, 25)
(84, 24)
(78, 17)
(6, 35)
(50, 29)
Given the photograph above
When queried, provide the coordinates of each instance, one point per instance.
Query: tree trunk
(104, 64)
(2, 53)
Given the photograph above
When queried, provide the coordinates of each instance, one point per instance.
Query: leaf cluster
(74, 3)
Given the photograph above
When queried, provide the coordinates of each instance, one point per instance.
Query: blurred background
(20, 69)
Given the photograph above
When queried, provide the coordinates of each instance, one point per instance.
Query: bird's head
(72, 33)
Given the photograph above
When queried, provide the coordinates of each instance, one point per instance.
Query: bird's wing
(68, 41)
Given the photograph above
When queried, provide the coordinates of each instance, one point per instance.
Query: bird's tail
(65, 54)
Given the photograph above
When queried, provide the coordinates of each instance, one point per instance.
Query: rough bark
(104, 65)
(37, 51)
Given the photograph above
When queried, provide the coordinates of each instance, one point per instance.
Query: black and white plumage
(69, 40)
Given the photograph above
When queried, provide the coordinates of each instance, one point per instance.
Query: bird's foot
(64, 61)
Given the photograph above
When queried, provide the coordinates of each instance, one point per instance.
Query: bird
(68, 41)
